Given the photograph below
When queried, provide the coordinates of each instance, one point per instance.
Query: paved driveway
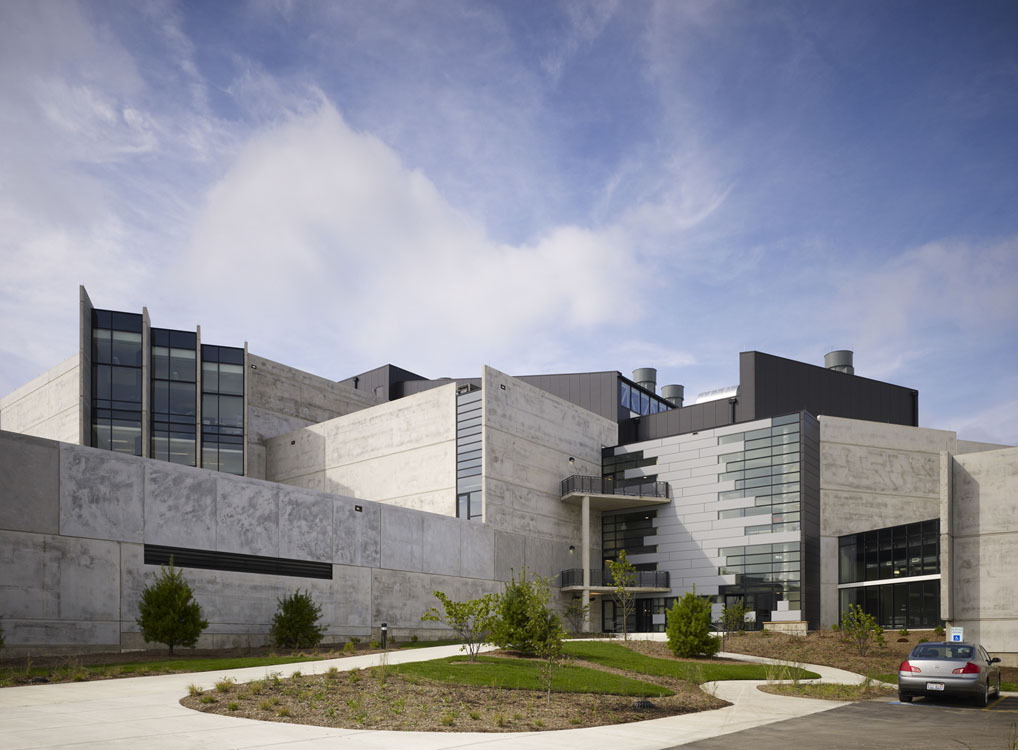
(883, 725)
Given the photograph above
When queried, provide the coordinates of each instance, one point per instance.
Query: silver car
(934, 669)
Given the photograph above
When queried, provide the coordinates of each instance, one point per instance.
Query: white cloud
(324, 225)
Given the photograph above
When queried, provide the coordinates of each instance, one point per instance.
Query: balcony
(645, 581)
(605, 495)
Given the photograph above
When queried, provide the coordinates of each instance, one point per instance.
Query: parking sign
(957, 634)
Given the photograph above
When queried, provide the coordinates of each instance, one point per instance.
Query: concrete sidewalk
(144, 712)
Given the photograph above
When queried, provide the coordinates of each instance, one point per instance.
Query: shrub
(472, 620)
(523, 621)
(688, 627)
(168, 612)
(576, 614)
(861, 627)
(295, 624)
(939, 631)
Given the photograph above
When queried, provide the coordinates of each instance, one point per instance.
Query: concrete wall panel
(47, 406)
(305, 525)
(180, 506)
(880, 470)
(402, 539)
(247, 516)
(441, 545)
(357, 534)
(101, 494)
(477, 550)
(29, 484)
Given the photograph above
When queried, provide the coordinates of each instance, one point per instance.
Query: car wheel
(984, 699)
(997, 694)
(903, 698)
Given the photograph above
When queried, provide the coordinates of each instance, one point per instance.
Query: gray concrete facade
(979, 538)
(74, 522)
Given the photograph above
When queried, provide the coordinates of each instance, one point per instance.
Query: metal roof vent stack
(840, 360)
(674, 394)
(646, 377)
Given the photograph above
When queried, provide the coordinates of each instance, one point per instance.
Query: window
(222, 409)
(116, 381)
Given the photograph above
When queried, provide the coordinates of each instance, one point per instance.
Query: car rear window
(943, 651)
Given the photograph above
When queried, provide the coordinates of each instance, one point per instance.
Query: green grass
(620, 657)
(425, 644)
(163, 666)
(525, 674)
(891, 678)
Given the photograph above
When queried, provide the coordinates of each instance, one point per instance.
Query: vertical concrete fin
(946, 536)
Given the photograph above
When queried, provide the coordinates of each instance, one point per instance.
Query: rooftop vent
(840, 360)
(646, 377)
(673, 394)
(719, 393)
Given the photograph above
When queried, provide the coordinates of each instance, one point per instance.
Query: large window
(222, 409)
(469, 456)
(878, 571)
(638, 401)
(174, 396)
(116, 381)
(627, 531)
(894, 552)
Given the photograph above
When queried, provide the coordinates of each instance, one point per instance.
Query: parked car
(934, 669)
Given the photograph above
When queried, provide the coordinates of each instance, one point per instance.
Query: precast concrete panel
(247, 516)
(402, 539)
(101, 494)
(357, 534)
(305, 525)
(180, 506)
(440, 543)
(29, 484)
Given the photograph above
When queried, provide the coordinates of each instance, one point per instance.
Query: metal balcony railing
(657, 579)
(608, 486)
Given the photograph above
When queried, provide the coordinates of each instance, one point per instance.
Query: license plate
(934, 686)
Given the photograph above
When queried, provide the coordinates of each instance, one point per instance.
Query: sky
(534, 185)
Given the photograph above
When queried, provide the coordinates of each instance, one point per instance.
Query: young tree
(549, 647)
(471, 620)
(861, 627)
(576, 614)
(522, 618)
(688, 627)
(733, 619)
(623, 580)
(168, 612)
(295, 624)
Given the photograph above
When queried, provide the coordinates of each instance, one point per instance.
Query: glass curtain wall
(174, 396)
(222, 409)
(116, 381)
(878, 569)
(766, 473)
(469, 459)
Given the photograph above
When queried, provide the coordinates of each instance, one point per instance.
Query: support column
(585, 559)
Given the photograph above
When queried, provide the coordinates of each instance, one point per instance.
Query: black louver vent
(208, 560)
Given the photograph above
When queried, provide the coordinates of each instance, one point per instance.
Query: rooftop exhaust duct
(673, 394)
(840, 360)
(646, 377)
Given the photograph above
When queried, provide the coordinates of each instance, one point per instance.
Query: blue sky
(538, 186)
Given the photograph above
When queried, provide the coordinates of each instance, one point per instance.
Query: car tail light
(906, 667)
(969, 668)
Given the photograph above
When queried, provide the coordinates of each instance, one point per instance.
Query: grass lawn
(619, 657)
(525, 674)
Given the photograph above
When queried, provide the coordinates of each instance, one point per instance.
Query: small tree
(471, 620)
(168, 612)
(576, 614)
(688, 627)
(549, 647)
(861, 627)
(523, 619)
(733, 618)
(295, 624)
(623, 581)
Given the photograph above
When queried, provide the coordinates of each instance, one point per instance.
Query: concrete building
(800, 491)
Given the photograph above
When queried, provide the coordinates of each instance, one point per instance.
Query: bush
(861, 627)
(688, 627)
(168, 612)
(295, 624)
(472, 620)
(523, 621)
(939, 630)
